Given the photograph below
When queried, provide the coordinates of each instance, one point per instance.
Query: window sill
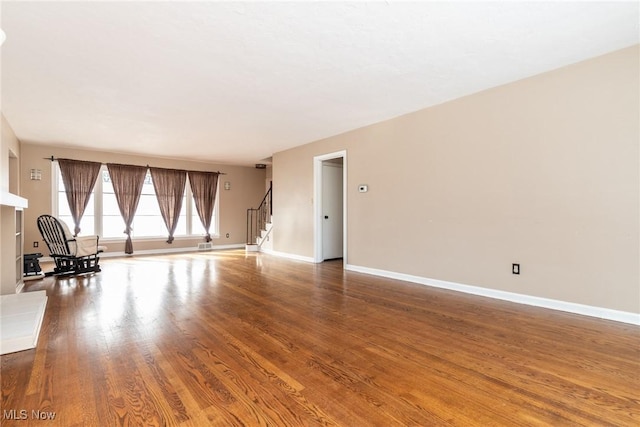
(156, 239)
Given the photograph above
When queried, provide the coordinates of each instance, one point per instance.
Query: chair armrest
(84, 245)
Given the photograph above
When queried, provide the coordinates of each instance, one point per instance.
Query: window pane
(148, 226)
(90, 209)
(147, 188)
(112, 226)
(110, 205)
(86, 224)
(181, 228)
(106, 179)
(63, 205)
(196, 225)
(148, 205)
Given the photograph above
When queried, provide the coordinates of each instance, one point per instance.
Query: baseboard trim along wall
(288, 255)
(170, 251)
(160, 251)
(586, 310)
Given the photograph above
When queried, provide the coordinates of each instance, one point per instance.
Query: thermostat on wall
(363, 188)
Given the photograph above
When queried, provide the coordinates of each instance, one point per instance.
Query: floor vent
(205, 246)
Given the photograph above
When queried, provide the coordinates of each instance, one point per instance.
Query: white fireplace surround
(10, 199)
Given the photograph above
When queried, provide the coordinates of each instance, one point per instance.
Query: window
(102, 215)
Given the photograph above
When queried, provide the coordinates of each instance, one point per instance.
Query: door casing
(317, 204)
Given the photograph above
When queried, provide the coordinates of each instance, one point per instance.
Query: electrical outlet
(515, 268)
(35, 244)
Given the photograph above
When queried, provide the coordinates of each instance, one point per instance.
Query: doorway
(330, 225)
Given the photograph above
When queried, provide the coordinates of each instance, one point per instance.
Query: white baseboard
(160, 251)
(169, 251)
(586, 310)
(288, 255)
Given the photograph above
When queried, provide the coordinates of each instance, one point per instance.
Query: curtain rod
(53, 159)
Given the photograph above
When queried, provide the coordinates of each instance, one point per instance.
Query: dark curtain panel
(204, 186)
(169, 186)
(127, 183)
(79, 178)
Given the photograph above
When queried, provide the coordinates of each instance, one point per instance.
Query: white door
(332, 230)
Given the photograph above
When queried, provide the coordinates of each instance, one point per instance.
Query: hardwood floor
(228, 339)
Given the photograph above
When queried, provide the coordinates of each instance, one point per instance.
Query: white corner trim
(288, 255)
(586, 310)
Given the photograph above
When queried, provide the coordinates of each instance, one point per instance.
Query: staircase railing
(257, 218)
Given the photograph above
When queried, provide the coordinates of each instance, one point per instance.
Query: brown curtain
(204, 186)
(169, 186)
(127, 183)
(79, 178)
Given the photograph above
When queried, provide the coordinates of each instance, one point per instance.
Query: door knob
(326, 217)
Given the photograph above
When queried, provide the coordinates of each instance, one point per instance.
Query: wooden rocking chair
(72, 255)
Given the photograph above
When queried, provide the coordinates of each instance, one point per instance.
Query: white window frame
(98, 209)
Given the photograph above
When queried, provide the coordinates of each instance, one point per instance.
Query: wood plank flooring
(228, 339)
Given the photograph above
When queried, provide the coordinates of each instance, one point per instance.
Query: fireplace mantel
(10, 199)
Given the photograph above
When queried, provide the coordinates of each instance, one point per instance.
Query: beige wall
(543, 172)
(247, 189)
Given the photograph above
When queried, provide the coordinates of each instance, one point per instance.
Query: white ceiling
(235, 82)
